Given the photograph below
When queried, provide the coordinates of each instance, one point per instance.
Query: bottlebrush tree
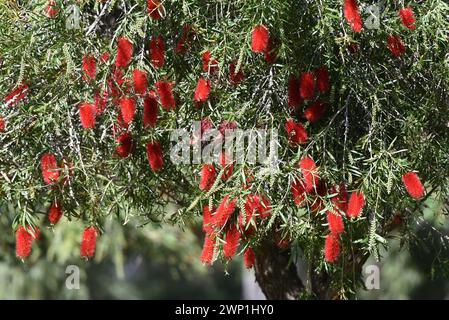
(92, 90)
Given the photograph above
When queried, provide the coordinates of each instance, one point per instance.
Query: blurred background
(152, 262)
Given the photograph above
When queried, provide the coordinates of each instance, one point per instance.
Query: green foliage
(386, 115)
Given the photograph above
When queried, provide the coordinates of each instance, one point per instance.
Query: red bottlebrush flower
(298, 191)
(316, 111)
(208, 176)
(165, 93)
(208, 220)
(150, 110)
(202, 90)
(296, 132)
(207, 255)
(413, 185)
(101, 101)
(260, 37)
(322, 79)
(105, 57)
(154, 155)
(157, 52)
(249, 258)
(155, 9)
(15, 96)
(261, 204)
(395, 45)
(331, 248)
(49, 168)
(183, 42)
(226, 125)
(128, 109)
(140, 81)
(88, 113)
(224, 212)
(124, 145)
(310, 174)
(88, 242)
(407, 18)
(226, 163)
(307, 85)
(352, 15)
(54, 212)
(232, 242)
(340, 200)
(124, 52)
(24, 240)
(294, 98)
(121, 124)
(209, 65)
(235, 78)
(51, 10)
(2, 124)
(356, 204)
(335, 221)
(90, 66)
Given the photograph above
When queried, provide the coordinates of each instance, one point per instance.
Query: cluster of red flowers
(262, 42)
(303, 89)
(226, 220)
(25, 237)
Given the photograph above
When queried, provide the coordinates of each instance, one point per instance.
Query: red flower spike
(260, 38)
(24, 240)
(209, 65)
(340, 200)
(224, 212)
(165, 93)
(296, 132)
(207, 255)
(140, 81)
(105, 57)
(395, 45)
(299, 192)
(124, 52)
(322, 79)
(202, 90)
(155, 9)
(157, 52)
(154, 155)
(356, 204)
(88, 114)
(15, 96)
(335, 221)
(54, 212)
(51, 10)
(294, 98)
(150, 110)
(316, 111)
(124, 145)
(49, 168)
(310, 174)
(331, 248)
(101, 101)
(232, 242)
(128, 109)
(208, 176)
(88, 242)
(208, 220)
(183, 42)
(413, 185)
(352, 15)
(407, 18)
(234, 77)
(90, 66)
(2, 124)
(249, 258)
(307, 85)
